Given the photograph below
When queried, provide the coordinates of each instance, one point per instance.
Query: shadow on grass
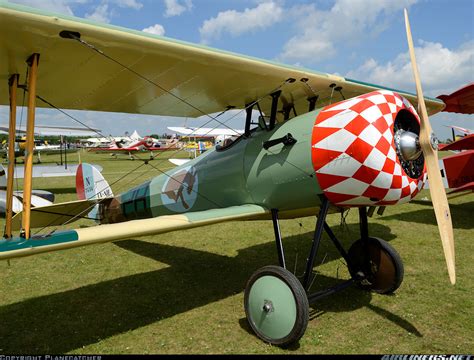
(62, 322)
(461, 215)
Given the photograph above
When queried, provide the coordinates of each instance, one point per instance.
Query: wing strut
(13, 85)
(32, 61)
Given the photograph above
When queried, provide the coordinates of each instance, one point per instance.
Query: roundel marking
(180, 190)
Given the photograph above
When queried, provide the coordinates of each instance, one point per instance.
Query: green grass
(182, 292)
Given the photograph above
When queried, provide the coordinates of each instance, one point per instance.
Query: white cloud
(442, 70)
(346, 22)
(156, 29)
(101, 13)
(59, 6)
(134, 4)
(236, 23)
(105, 11)
(175, 8)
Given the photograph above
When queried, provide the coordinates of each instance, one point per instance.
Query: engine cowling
(355, 155)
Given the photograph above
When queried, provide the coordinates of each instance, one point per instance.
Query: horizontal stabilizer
(179, 162)
(48, 170)
(56, 214)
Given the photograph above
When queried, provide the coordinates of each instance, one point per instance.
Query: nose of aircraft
(365, 150)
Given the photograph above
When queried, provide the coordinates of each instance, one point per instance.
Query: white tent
(135, 136)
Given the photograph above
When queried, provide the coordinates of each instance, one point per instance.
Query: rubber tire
(300, 298)
(385, 269)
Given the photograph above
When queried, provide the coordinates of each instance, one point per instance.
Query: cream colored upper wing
(73, 76)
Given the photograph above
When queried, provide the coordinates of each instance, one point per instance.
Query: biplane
(41, 146)
(128, 147)
(322, 143)
(457, 170)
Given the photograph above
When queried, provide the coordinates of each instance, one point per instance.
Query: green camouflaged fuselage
(281, 177)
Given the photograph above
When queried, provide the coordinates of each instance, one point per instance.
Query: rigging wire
(70, 116)
(73, 36)
(147, 162)
(90, 198)
(99, 51)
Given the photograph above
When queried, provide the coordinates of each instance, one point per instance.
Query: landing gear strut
(277, 302)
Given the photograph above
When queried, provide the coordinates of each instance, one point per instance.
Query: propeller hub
(408, 145)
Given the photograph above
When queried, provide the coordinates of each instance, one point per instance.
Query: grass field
(182, 292)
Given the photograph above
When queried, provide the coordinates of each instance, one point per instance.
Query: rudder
(90, 184)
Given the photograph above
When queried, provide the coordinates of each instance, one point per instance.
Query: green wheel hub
(276, 305)
(272, 307)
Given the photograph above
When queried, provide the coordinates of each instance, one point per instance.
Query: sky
(360, 39)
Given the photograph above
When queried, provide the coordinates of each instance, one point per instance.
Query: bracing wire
(72, 36)
(133, 170)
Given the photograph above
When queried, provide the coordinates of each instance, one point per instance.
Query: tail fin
(90, 184)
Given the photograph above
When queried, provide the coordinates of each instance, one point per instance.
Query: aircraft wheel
(379, 262)
(276, 305)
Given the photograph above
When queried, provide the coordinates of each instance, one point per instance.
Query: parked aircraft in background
(39, 197)
(133, 144)
(457, 170)
(49, 130)
(461, 129)
(42, 147)
(204, 132)
(147, 144)
(461, 101)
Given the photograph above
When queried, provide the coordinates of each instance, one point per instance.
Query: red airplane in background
(133, 146)
(457, 170)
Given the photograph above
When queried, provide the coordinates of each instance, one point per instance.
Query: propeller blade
(438, 194)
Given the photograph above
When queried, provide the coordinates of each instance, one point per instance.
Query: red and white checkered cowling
(353, 151)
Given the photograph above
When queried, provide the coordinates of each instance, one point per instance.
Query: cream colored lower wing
(18, 247)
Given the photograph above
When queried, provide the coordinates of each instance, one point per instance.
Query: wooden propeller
(429, 147)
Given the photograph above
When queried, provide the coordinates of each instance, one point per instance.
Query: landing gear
(276, 306)
(277, 303)
(379, 262)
